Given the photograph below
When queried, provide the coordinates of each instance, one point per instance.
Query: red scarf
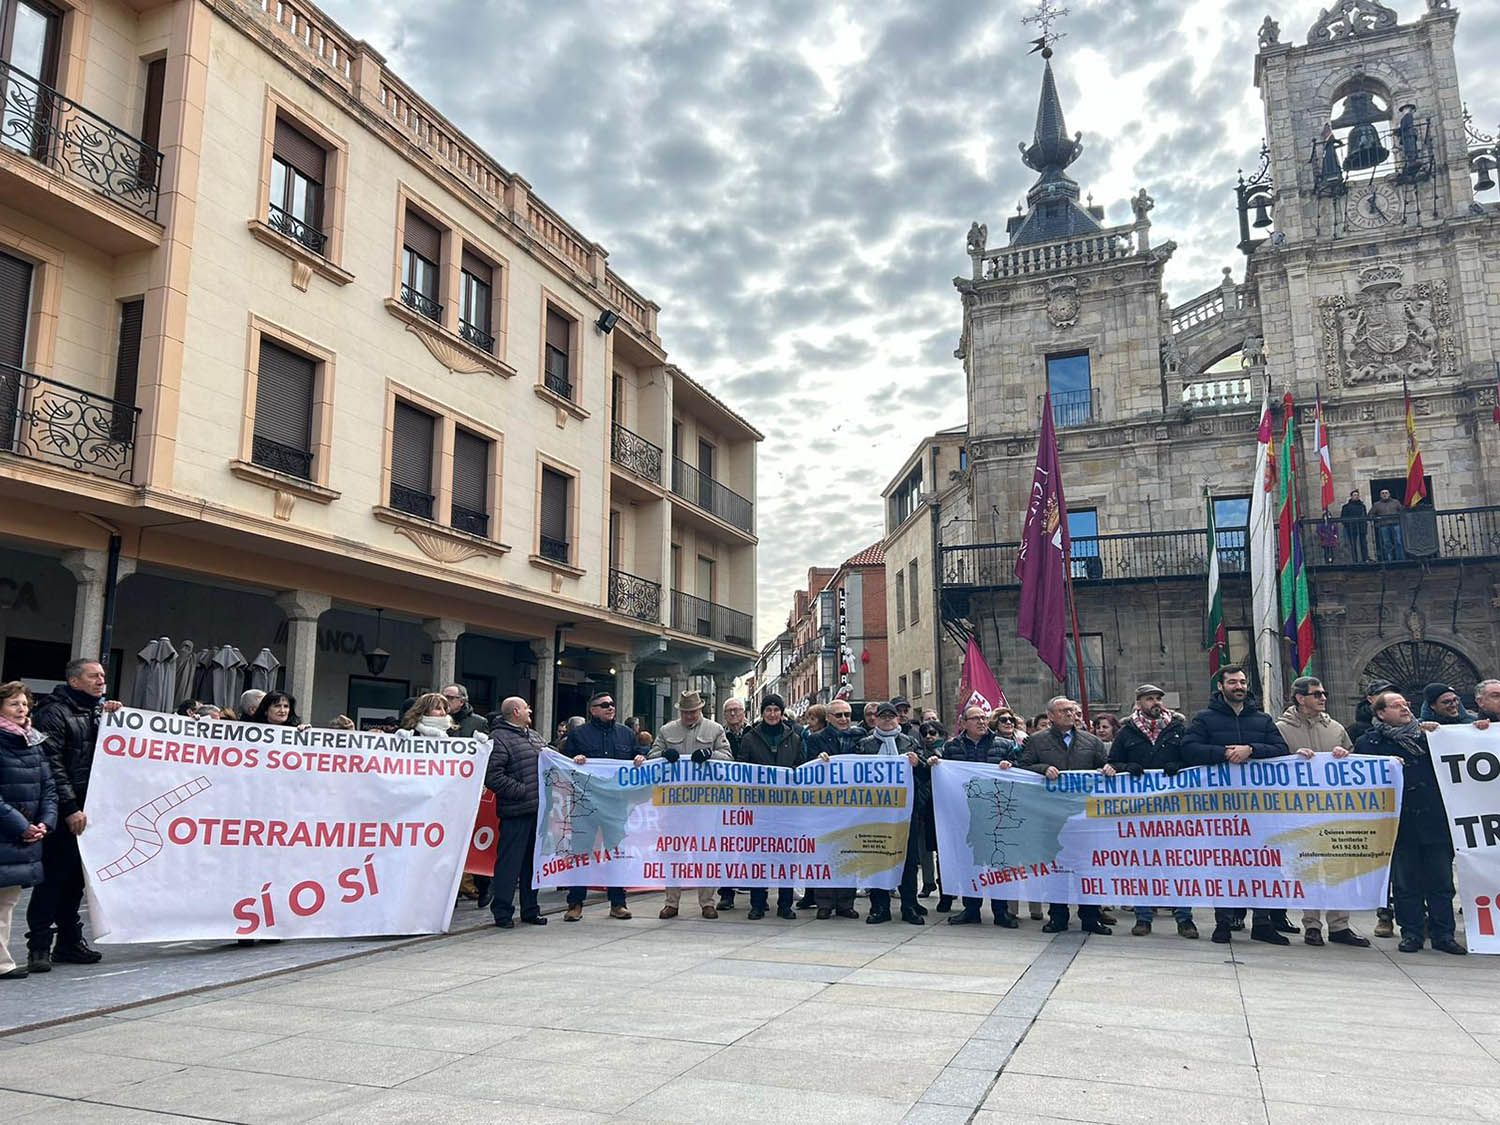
(1151, 728)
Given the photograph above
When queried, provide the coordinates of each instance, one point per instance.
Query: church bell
(1262, 217)
(1360, 116)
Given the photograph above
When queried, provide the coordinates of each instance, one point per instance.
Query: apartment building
(288, 362)
(838, 632)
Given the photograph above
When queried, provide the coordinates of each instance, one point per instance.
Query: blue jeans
(576, 895)
(1181, 913)
(1388, 543)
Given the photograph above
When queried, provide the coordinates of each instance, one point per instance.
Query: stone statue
(1253, 351)
(1270, 34)
(979, 236)
(1349, 19)
(1171, 356)
(1406, 137)
(1142, 205)
(1439, 5)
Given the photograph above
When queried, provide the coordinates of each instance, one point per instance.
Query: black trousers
(1423, 875)
(999, 907)
(1359, 545)
(55, 903)
(1259, 919)
(760, 898)
(576, 895)
(834, 898)
(515, 856)
(880, 901)
(1057, 913)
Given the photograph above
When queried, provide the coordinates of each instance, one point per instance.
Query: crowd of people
(47, 748)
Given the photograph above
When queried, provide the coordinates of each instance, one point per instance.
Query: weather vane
(1047, 13)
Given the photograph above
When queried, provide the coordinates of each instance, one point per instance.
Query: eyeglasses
(606, 703)
(1318, 694)
(1006, 719)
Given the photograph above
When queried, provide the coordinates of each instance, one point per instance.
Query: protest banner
(210, 829)
(1467, 764)
(1278, 832)
(839, 823)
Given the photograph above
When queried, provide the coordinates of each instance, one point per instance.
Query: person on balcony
(1387, 515)
(1356, 528)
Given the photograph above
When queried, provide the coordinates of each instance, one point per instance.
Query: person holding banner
(511, 777)
(772, 742)
(889, 740)
(840, 736)
(28, 812)
(698, 739)
(1422, 860)
(1486, 703)
(600, 737)
(976, 743)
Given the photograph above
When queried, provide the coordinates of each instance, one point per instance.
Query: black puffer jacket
(27, 797)
(1217, 727)
(511, 774)
(1132, 748)
(832, 741)
(756, 748)
(70, 727)
(990, 749)
(1424, 819)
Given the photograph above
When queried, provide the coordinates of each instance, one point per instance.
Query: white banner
(1281, 832)
(842, 823)
(210, 829)
(1467, 764)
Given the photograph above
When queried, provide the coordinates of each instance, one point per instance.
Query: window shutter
(156, 85)
(411, 449)
(128, 355)
(554, 505)
(15, 306)
(422, 237)
(471, 471)
(559, 331)
(474, 264)
(284, 397)
(301, 151)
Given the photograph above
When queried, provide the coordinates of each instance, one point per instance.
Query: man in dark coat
(1422, 861)
(1150, 738)
(774, 741)
(889, 740)
(600, 737)
(1356, 528)
(28, 813)
(511, 777)
(975, 742)
(734, 729)
(69, 717)
(840, 736)
(1486, 703)
(1364, 719)
(1064, 745)
(1233, 729)
(466, 722)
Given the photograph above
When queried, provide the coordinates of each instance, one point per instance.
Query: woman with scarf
(1422, 861)
(28, 812)
(428, 717)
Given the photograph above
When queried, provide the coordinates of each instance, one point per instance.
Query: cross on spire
(1047, 13)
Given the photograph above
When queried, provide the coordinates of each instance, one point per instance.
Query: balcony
(706, 493)
(304, 234)
(88, 152)
(412, 502)
(714, 622)
(421, 304)
(1007, 263)
(1427, 536)
(44, 420)
(476, 336)
(631, 451)
(468, 520)
(1073, 408)
(555, 550)
(281, 458)
(634, 596)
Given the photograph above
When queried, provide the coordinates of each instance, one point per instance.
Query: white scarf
(429, 727)
(887, 741)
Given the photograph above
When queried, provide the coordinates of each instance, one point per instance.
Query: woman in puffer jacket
(28, 810)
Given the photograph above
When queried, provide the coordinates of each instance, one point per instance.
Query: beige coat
(707, 735)
(1319, 733)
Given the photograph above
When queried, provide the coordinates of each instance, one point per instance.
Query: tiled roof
(873, 555)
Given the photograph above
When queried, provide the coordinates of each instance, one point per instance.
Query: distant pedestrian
(28, 815)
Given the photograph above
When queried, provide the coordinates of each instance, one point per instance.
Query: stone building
(1371, 233)
(287, 361)
(839, 635)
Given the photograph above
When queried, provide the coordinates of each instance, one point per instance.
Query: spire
(1051, 149)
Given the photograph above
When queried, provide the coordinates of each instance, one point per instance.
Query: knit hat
(772, 700)
(1433, 692)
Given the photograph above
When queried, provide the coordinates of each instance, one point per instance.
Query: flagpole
(1083, 685)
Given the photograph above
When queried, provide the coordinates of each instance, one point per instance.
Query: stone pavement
(730, 1020)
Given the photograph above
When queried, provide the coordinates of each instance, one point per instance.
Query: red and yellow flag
(1416, 486)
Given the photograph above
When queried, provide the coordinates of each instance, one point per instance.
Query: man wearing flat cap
(690, 736)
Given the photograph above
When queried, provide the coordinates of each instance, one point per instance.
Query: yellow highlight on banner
(1240, 802)
(771, 796)
(1337, 851)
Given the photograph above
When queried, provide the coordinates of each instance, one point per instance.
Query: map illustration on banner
(1283, 832)
(825, 824)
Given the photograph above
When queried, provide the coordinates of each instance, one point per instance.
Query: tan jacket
(707, 735)
(1320, 733)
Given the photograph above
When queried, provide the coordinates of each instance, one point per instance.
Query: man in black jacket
(1422, 861)
(69, 717)
(774, 741)
(840, 736)
(600, 738)
(975, 742)
(888, 740)
(1233, 729)
(734, 729)
(466, 722)
(511, 776)
(1151, 739)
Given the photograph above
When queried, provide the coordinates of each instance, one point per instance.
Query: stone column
(90, 568)
(302, 609)
(543, 707)
(624, 687)
(677, 684)
(444, 632)
(723, 688)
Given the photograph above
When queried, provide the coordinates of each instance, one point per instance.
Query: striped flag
(1261, 541)
(1296, 609)
(1215, 639)
(1495, 414)
(1416, 486)
(1325, 461)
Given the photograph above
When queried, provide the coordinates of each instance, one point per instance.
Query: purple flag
(1043, 558)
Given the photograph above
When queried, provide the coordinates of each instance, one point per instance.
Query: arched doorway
(1412, 665)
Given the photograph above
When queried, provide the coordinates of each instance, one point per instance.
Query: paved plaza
(729, 1020)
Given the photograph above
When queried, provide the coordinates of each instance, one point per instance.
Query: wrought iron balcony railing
(421, 304)
(281, 458)
(634, 596)
(53, 130)
(558, 550)
(473, 334)
(284, 222)
(1073, 408)
(711, 496)
(45, 420)
(635, 453)
(411, 501)
(467, 519)
(707, 619)
(558, 384)
(1419, 535)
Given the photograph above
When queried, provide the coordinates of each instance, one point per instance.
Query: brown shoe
(666, 912)
(574, 913)
(710, 912)
(621, 913)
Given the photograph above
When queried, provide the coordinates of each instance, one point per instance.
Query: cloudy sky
(792, 180)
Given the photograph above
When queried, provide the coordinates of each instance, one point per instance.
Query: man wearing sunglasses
(1308, 730)
(600, 738)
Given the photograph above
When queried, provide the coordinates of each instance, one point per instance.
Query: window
(1083, 532)
(284, 389)
(706, 578)
(901, 687)
(421, 251)
(555, 544)
(904, 499)
(152, 99)
(411, 461)
(476, 302)
(1093, 667)
(470, 510)
(127, 371)
(1231, 529)
(900, 600)
(29, 33)
(963, 458)
(15, 315)
(1070, 383)
(676, 439)
(705, 475)
(616, 539)
(916, 683)
(913, 592)
(617, 399)
(299, 169)
(557, 369)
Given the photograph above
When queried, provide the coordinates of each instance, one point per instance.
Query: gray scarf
(1408, 736)
(887, 741)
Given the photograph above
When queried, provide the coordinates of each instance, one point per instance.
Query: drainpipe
(937, 605)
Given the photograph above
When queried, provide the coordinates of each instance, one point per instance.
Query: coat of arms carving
(1388, 332)
(1063, 304)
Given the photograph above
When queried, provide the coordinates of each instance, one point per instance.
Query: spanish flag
(1416, 488)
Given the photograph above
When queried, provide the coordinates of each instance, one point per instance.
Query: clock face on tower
(1374, 206)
